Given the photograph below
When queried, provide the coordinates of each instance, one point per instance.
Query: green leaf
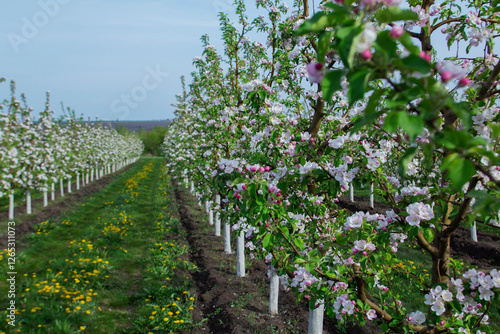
(407, 42)
(368, 119)
(324, 43)
(393, 13)
(391, 122)
(429, 234)
(348, 36)
(299, 243)
(413, 232)
(357, 85)
(285, 231)
(340, 239)
(405, 160)
(415, 63)
(316, 23)
(266, 241)
(332, 83)
(413, 125)
(386, 45)
(374, 101)
(459, 170)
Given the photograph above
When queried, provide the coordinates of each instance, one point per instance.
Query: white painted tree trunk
(28, 202)
(207, 206)
(192, 187)
(92, 175)
(11, 204)
(273, 294)
(316, 319)
(227, 238)
(473, 232)
(240, 255)
(69, 185)
(351, 192)
(211, 217)
(372, 202)
(217, 217)
(45, 198)
(61, 185)
(53, 191)
(77, 181)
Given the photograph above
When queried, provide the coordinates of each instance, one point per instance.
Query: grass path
(107, 267)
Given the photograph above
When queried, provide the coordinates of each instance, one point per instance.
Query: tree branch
(483, 93)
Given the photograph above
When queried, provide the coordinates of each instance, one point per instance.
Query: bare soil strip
(230, 304)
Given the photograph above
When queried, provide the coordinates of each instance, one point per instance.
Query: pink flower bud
(267, 168)
(365, 253)
(397, 31)
(311, 140)
(464, 82)
(244, 186)
(262, 169)
(425, 56)
(445, 76)
(367, 54)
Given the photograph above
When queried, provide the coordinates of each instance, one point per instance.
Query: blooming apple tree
(35, 154)
(356, 91)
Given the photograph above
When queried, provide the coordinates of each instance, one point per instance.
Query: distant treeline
(152, 138)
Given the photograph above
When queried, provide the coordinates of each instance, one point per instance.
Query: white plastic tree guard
(372, 202)
(217, 217)
(53, 192)
(207, 206)
(11, 204)
(192, 187)
(273, 294)
(61, 185)
(77, 181)
(92, 175)
(316, 319)
(69, 185)
(351, 192)
(240, 255)
(211, 216)
(473, 232)
(28, 202)
(227, 238)
(87, 178)
(45, 198)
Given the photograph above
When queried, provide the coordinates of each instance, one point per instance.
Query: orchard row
(38, 153)
(355, 93)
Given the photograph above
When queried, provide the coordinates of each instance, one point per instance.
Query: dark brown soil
(25, 223)
(230, 304)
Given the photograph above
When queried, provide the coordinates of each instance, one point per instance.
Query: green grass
(105, 267)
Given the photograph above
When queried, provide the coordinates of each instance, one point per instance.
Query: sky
(113, 59)
(109, 59)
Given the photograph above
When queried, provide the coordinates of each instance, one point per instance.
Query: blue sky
(114, 59)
